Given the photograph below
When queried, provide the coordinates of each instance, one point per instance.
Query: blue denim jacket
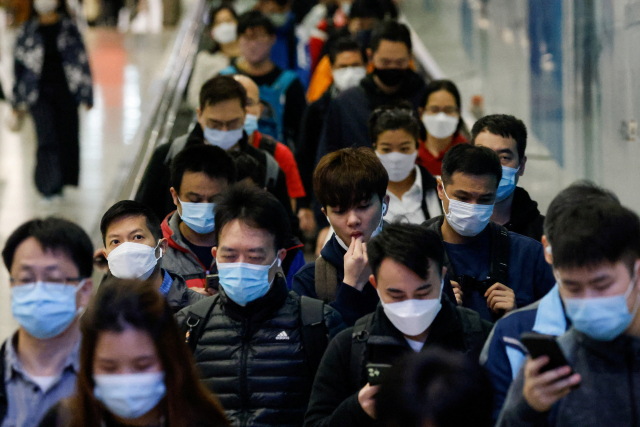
(29, 59)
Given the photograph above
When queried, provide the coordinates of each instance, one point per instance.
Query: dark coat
(334, 399)
(525, 216)
(260, 378)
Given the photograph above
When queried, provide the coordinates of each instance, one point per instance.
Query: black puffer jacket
(252, 357)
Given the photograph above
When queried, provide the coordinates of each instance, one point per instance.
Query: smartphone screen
(376, 371)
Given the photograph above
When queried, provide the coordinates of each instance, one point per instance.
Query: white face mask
(225, 32)
(413, 316)
(44, 7)
(465, 218)
(399, 166)
(345, 78)
(133, 260)
(224, 139)
(440, 125)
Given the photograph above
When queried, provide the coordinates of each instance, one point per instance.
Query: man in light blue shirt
(50, 262)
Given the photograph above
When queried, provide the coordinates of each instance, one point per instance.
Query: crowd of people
(431, 262)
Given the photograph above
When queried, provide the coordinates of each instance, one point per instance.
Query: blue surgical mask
(250, 124)
(602, 318)
(198, 216)
(467, 219)
(130, 396)
(44, 310)
(507, 183)
(243, 282)
(224, 139)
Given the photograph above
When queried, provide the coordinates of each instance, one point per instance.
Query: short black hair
(435, 387)
(367, 9)
(248, 167)
(345, 44)
(222, 88)
(212, 160)
(408, 244)
(126, 208)
(471, 160)
(394, 118)
(505, 126)
(254, 19)
(589, 235)
(349, 176)
(580, 193)
(392, 31)
(53, 234)
(255, 207)
(223, 6)
(446, 85)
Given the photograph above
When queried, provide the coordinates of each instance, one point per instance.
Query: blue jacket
(350, 303)
(29, 58)
(503, 354)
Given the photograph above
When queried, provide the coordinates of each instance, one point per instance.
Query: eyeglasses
(450, 111)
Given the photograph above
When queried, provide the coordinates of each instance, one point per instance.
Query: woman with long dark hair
(52, 78)
(135, 369)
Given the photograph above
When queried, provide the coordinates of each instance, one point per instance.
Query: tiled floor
(126, 71)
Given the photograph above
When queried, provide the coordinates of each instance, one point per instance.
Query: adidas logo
(282, 336)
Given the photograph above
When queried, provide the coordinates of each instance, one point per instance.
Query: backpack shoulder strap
(500, 254)
(474, 336)
(197, 319)
(326, 280)
(273, 169)
(359, 340)
(268, 144)
(3, 392)
(284, 80)
(314, 331)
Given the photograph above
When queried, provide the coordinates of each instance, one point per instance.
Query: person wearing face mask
(414, 314)
(283, 52)
(280, 152)
(198, 175)
(256, 344)
(440, 112)
(514, 209)
(503, 354)
(134, 249)
(209, 62)
(391, 81)
(134, 367)
(412, 190)
(50, 265)
(50, 83)
(281, 91)
(492, 270)
(348, 65)
(221, 119)
(596, 260)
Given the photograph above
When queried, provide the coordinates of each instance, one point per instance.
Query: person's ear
(373, 282)
(440, 188)
(324, 211)
(420, 111)
(385, 202)
(548, 255)
(214, 252)
(523, 163)
(164, 245)
(174, 196)
(444, 272)
(85, 292)
(281, 255)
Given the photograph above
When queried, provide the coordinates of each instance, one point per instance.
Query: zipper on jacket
(244, 388)
(632, 395)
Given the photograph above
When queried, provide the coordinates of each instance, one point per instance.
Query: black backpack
(314, 332)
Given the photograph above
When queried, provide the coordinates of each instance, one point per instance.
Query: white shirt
(409, 207)
(415, 345)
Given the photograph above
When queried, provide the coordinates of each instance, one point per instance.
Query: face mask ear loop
(158, 247)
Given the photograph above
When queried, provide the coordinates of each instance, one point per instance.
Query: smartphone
(211, 282)
(544, 345)
(376, 372)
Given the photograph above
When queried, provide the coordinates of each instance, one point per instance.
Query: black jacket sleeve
(154, 185)
(293, 110)
(282, 194)
(333, 401)
(307, 150)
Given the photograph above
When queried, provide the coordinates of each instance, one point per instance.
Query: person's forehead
(129, 343)
(395, 136)
(31, 253)
(255, 31)
(589, 273)
(495, 142)
(472, 183)
(237, 234)
(392, 49)
(126, 224)
(392, 273)
(348, 56)
(201, 182)
(229, 109)
(442, 98)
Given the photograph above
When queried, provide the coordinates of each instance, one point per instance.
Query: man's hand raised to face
(356, 265)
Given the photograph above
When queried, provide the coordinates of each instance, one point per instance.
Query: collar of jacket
(196, 136)
(171, 231)
(260, 309)
(523, 209)
(446, 322)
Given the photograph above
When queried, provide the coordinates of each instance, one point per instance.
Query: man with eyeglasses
(50, 262)
(221, 120)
